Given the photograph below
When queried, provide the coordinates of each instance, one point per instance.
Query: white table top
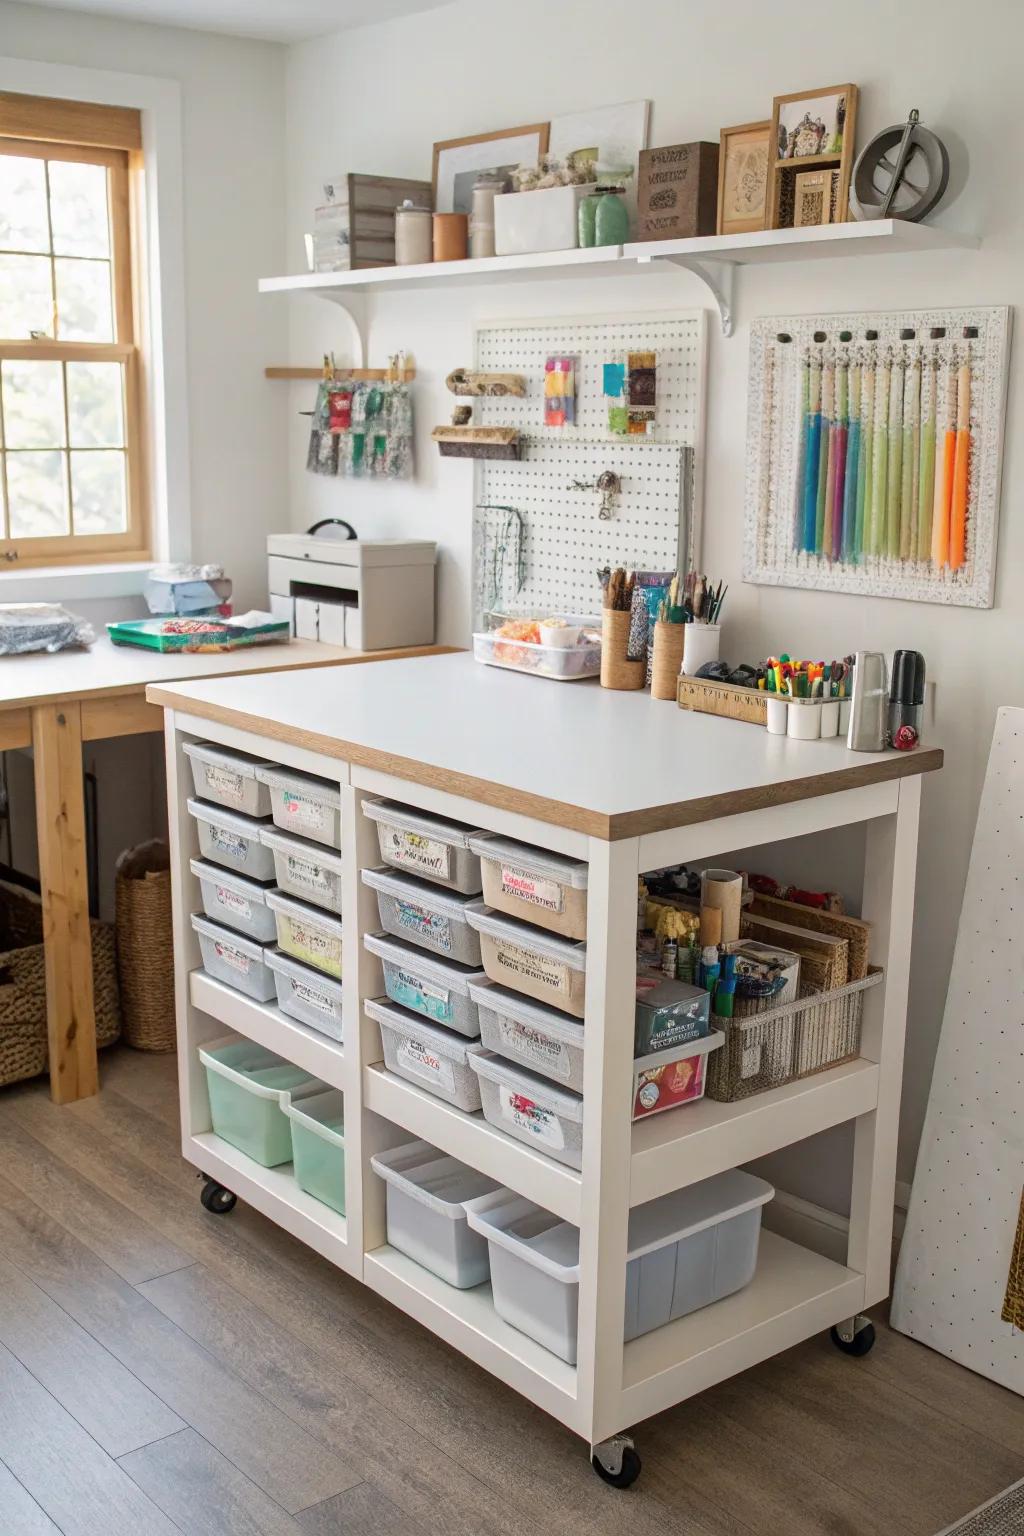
(608, 763)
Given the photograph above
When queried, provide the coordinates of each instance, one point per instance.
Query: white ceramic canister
(414, 235)
(701, 644)
(829, 717)
(481, 218)
(776, 714)
(804, 719)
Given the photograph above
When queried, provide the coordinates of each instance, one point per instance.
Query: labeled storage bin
(426, 845)
(232, 840)
(678, 1075)
(235, 900)
(427, 1193)
(685, 1251)
(432, 986)
(302, 803)
(307, 995)
(248, 1088)
(519, 956)
(233, 959)
(307, 933)
(536, 1037)
(531, 1108)
(434, 919)
(318, 1146)
(228, 777)
(305, 869)
(530, 883)
(426, 1054)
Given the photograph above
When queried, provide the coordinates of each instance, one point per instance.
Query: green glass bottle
(612, 219)
(586, 220)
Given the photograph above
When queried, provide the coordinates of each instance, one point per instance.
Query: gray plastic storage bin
(540, 887)
(530, 1035)
(305, 869)
(530, 1108)
(436, 988)
(237, 961)
(685, 1250)
(520, 956)
(302, 803)
(228, 777)
(426, 1197)
(233, 840)
(434, 919)
(248, 1088)
(429, 846)
(307, 995)
(234, 900)
(426, 1054)
(307, 933)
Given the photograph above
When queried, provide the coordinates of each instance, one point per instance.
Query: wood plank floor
(163, 1370)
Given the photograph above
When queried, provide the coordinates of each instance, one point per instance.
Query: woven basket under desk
(766, 1050)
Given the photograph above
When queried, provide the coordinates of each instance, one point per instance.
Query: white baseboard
(821, 1230)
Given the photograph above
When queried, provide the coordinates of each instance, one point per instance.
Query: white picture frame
(458, 162)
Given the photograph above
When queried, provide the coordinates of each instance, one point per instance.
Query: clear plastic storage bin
(530, 1108)
(429, 846)
(426, 1054)
(307, 933)
(305, 869)
(434, 919)
(436, 988)
(562, 664)
(519, 956)
(232, 840)
(248, 1088)
(427, 1193)
(233, 959)
(685, 1251)
(234, 900)
(673, 1077)
(307, 995)
(302, 803)
(318, 1146)
(540, 887)
(535, 1037)
(228, 777)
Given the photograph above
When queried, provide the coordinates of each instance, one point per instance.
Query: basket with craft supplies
(145, 954)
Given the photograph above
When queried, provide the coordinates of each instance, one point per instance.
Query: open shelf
(600, 261)
(812, 242)
(268, 1026)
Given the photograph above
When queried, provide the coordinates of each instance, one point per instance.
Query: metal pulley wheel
(901, 174)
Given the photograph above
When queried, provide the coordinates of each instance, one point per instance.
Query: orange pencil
(944, 483)
(961, 465)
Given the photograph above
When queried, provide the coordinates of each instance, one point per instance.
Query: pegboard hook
(610, 486)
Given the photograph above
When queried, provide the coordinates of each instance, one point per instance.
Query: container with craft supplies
(668, 1014)
(307, 995)
(525, 645)
(432, 1057)
(542, 965)
(668, 1078)
(305, 869)
(227, 777)
(427, 916)
(302, 803)
(531, 1108)
(766, 975)
(429, 846)
(234, 900)
(803, 719)
(427, 1195)
(231, 839)
(307, 933)
(777, 715)
(701, 644)
(430, 985)
(538, 1038)
(248, 1088)
(318, 1146)
(233, 959)
(541, 887)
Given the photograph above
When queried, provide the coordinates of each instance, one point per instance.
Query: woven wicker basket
(145, 950)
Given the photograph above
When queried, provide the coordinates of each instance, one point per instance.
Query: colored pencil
(835, 539)
(961, 466)
(943, 499)
(895, 477)
(866, 467)
(853, 468)
(813, 442)
(911, 435)
(926, 474)
(880, 468)
(825, 449)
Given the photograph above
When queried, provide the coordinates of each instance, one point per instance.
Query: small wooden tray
(710, 698)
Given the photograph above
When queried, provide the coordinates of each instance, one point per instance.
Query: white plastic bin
(428, 1055)
(248, 1088)
(535, 1037)
(302, 803)
(232, 840)
(434, 919)
(519, 956)
(307, 933)
(228, 777)
(232, 958)
(429, 846)
(436, 988)
(234, 900)
(427, 1193)
(307, 995)
(305, 869)
(540, 887)
(685, 1250)
(530, 1108)
(318, 1146)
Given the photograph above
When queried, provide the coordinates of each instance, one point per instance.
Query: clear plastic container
(234, 900)
(305, 869)
(431, 918)
(232, 840)
(669, 1078)
(426, 1054)
(436, 988)
(531, 1108)
(538, 1038)
(428, 846)
(540, 887)
(519, 956)
(318, 1146)
(426, 1196)
(307, 995)
(249, 1087)
(302, 803)
(307, 933)
(561, 664)
(227, 777)
(233, 959)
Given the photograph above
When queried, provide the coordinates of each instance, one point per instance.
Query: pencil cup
(616, 670)
(700, 645)
(804, 719)
(829, 718)
(668, 658)
(776, 715)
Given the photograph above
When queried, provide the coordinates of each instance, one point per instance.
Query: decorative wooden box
(677, 192)
(370, 202)
(710, 698)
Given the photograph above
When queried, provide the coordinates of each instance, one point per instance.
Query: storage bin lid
(514, 1005)
(433, 1178)
(258, 1070)
(321, 1113)
(302, 847)
(683, 1052)
(456, 833)
(449, 973)
(305, 975)
(413, 1025)
(534, 861)
(530, 1232)
(316, 917)
(497, 926)
(210, 930)
(434, 897)
(279, 777)
(240, 884)
(540, 1089)
(690, 1210)
(232, 821)
(243, 763)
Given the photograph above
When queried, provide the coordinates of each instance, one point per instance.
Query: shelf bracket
(353, 308)
(717, 277)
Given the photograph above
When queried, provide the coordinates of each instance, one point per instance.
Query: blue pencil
(812, 458)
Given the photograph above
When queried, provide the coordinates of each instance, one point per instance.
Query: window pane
(98, 492)
(26, 301)
(36, 499)
(83, 300)
(23, 204)
(33, 402)
(78, 209)
(95, 412)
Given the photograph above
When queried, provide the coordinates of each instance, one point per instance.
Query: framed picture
(458, 162)
(811, 128)
(605, 140)
(743, 178)
(813, 197)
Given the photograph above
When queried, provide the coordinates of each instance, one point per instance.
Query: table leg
(60, 822)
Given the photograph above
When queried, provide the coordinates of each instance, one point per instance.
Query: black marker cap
(908, 677)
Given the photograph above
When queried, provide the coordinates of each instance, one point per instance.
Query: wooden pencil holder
(617, 671)
(668, 659)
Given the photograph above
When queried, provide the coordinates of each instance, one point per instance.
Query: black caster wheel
(217, 1199)
(862, 1343)
(617, 1462)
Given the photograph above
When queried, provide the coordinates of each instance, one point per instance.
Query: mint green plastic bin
(318, 1146)
(249, 1087)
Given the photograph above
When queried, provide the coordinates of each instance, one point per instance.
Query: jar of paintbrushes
(669, 634)
(620, 669)
(702, 605)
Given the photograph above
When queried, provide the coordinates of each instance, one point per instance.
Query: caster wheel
(217, 1199)
(617, 1462)
(862, 1343)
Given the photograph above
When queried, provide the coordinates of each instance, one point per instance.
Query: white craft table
(631, 785)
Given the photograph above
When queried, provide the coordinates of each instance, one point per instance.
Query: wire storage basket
(810, 1034)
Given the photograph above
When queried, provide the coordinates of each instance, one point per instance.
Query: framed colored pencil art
(874, 446)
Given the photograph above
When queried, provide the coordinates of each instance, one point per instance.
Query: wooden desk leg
(60, 822)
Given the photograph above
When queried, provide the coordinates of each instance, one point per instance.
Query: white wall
(375, 99)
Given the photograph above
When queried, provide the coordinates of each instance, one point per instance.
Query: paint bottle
(668, 957)
(725, 994)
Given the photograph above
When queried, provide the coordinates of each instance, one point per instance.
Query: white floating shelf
(811, 243)
(268, 1026)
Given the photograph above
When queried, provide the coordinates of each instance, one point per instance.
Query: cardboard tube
(710, 926)
(723, 888)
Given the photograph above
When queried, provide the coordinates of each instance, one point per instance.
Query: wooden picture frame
(834, 109)
(517, 150)
(742, 139)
